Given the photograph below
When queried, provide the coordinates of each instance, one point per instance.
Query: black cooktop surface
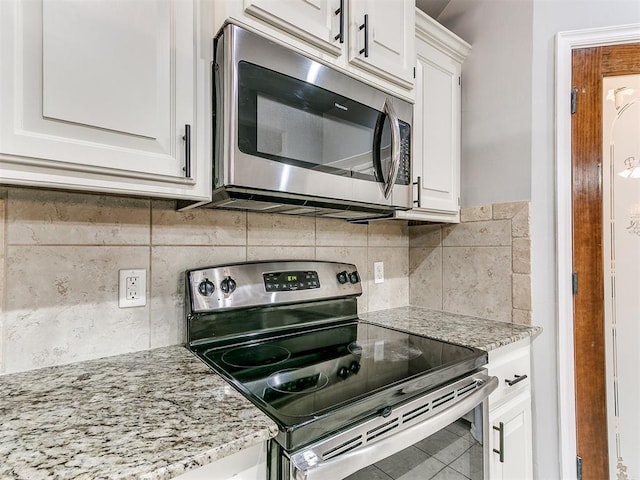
(348, 370)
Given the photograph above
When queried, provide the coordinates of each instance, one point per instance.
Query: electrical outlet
(132, 288)
(378, 272)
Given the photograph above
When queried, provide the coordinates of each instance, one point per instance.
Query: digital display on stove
(290, 281)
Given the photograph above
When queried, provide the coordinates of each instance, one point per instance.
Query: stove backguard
(244, 300)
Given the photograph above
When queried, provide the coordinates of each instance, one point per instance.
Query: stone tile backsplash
(60, 254)
(480, 267)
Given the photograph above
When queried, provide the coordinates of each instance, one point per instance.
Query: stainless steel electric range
(344, 393)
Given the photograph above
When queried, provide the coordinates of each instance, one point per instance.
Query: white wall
(496, 92)
(508, 149)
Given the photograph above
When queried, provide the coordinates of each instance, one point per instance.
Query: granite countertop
(145, 415)
(155, 414)
(452, 327)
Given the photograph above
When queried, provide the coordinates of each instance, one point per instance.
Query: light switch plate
(132, 288)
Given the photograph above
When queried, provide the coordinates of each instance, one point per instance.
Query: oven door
(445, 431)
(296, 126)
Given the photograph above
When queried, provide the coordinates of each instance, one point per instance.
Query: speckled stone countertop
(156, 414)
(451, 327)
(146, 415)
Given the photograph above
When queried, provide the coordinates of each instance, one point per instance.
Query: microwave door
(297, 138)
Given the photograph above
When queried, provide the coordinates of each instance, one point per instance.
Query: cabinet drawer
(513, 369)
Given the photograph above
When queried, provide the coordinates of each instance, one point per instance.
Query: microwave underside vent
(230, 198)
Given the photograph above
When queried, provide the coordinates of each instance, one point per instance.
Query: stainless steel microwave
(292, 135)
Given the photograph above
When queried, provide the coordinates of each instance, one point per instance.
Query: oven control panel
(290, 281)
(254, 284)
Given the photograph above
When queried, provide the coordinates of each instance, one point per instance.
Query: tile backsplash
(480, 267)
(60, 254)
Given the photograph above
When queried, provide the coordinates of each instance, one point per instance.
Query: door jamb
(566, 42)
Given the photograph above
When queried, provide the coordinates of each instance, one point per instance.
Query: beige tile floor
(450, 454)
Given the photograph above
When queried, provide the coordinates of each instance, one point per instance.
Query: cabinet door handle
(516, 379)
(340, 11)
(365, 26)
(187, 151)
(500, 449)
(418, 182)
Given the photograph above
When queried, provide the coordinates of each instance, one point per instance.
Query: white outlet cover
(141, 300)
(378, 272)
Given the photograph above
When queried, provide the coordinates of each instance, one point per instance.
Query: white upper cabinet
(315, 21)
(98, 96)
(334, 32)
(436, 123)
(381, 38)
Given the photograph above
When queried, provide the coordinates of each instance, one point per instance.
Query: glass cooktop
(356, 367)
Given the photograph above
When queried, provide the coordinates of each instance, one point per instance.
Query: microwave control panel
(404, 168)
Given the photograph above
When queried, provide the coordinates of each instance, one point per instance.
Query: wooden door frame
(566, 42)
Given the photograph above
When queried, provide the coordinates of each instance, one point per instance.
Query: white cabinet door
(386, 46)
(510, 413)
(313, 27)
(437, 130)
(315, 21)
(436, 123)
(97, 95)
(247, 464)
(511, 455)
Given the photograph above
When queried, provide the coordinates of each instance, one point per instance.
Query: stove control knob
(206, 287)
(228, 285)
(342, 277)
(354, 277)
(354, 367)
(344, 372)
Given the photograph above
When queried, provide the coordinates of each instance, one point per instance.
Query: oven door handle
(344, 465)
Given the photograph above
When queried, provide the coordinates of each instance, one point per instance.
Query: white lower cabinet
(510, 444)
(511, 456)
(105, 96)
(247, 464)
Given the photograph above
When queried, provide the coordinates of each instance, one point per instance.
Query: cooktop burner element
(301, 354)
(258, 356)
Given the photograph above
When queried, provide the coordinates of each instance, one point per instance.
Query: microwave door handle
(344, 465)
(395, 147)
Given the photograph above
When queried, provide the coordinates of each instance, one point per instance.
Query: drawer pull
(518, 378)
(500, 450)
